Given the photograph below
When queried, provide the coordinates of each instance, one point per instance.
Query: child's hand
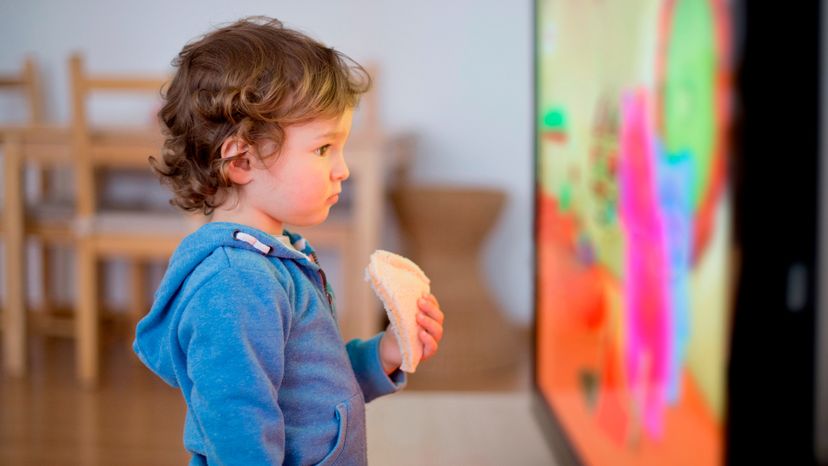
(430, 319)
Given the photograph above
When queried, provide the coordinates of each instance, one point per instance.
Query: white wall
(458, 73)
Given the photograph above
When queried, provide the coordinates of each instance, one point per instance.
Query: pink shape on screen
(647, 316)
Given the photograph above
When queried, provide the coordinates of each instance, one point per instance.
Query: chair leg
(86, 319)
(46, 262)
(14, 318)
(139, 304)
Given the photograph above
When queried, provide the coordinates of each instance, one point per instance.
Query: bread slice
(400, 283)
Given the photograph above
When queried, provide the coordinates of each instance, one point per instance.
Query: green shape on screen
(555, 119)
(565, 197)
(689, 90)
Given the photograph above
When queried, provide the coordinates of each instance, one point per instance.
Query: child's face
(301, 184)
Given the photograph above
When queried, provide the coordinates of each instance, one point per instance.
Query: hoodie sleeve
(234, 344)
(373, 380)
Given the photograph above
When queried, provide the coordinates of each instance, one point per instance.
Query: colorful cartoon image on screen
(633, 228)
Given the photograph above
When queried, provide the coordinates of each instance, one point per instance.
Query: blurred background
(442, 167)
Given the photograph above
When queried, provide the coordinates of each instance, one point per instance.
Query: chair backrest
(107, 147)
(27, 81)
(366, 124)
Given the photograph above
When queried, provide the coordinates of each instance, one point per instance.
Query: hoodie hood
(156, 342)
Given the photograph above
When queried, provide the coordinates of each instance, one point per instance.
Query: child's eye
(322, 150)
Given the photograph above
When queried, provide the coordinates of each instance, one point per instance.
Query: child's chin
(312, 221)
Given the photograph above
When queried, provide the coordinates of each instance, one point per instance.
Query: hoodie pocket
(342, 414)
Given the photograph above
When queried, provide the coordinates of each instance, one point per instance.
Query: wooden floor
(133, 418)
(47, 419)
(432, 428)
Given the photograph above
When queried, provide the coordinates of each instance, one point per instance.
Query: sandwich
(400, 283)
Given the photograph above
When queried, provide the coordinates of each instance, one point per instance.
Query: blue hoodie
(245, 326)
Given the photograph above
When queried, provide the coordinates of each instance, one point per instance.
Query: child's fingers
(434, 328)
(433, 299)
(429, 344)
(430, 306)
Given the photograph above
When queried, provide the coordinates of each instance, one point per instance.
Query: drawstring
(251, 240)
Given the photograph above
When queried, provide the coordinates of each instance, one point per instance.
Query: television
(677, 217)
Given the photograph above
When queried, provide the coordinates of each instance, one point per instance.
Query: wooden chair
(104, 232)
(29, 144)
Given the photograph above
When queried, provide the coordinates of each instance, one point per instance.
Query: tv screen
(676, 203)
(633, 228)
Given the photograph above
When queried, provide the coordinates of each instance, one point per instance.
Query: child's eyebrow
(331, 134)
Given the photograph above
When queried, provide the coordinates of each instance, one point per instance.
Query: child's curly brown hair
(250, 79)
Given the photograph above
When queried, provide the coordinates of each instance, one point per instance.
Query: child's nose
(340, 171)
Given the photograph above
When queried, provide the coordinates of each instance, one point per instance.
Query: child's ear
(238, 170)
